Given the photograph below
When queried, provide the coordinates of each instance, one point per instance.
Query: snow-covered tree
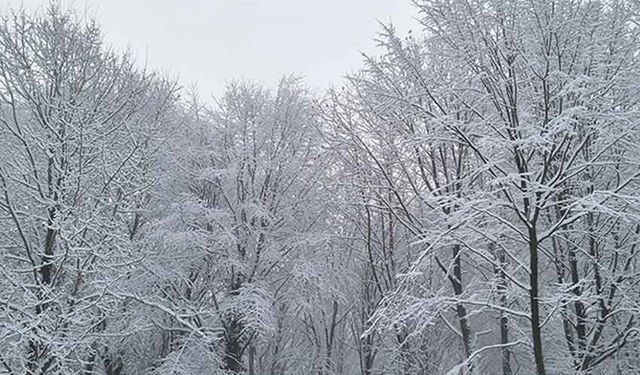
(78, 128)
(465, 203)
(241, 210)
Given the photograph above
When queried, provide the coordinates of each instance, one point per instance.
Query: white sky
(209, 41)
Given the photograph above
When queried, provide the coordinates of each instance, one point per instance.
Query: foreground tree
(78, 126)
(556, 141)
(506, 134)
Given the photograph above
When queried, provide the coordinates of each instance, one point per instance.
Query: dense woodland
(466, 202)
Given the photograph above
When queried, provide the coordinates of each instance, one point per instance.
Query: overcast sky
(210, 41)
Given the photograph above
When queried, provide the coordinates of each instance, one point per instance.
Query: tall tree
(78, 126)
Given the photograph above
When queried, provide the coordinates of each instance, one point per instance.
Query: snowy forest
(466, 202)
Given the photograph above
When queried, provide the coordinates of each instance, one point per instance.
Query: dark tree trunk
(233, 348)
(504, 321)
(461, 311)
(536, 335)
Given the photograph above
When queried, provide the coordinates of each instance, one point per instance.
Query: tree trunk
(504, 322)
(252, 354)
(536, 336)
(461, 311)
(233, 349)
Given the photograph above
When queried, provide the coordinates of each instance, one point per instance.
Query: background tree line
(467, 202)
